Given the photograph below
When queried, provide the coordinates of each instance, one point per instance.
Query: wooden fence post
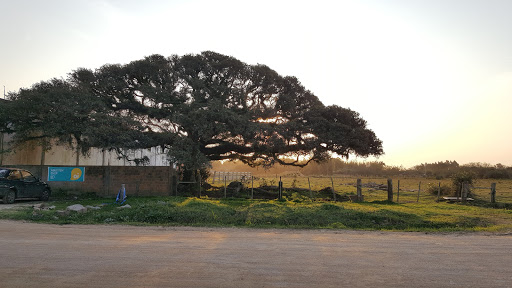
(280, 188)
(225, 194)
(419, 189)
(398, 192)
(465, 192)
(252, 187)
(390, 190)
(333, 192)
(359, 191)
(310, 192)
(493, 192)
(438, 191)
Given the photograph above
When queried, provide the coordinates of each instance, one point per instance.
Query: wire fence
(404, 190)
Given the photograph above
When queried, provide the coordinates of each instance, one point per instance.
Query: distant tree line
(449, 168)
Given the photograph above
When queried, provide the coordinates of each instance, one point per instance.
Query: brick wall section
(106, 180)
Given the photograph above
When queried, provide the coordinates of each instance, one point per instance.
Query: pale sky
(432, 78)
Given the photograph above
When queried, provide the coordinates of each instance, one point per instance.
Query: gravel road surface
(41, 255)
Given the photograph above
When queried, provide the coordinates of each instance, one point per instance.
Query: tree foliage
(199, 107)
(5, 116)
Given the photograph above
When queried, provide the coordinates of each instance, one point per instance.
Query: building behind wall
(32, 154)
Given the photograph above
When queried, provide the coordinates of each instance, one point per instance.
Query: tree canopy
(199, 108)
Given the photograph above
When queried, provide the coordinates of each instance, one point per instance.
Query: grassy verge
(182, 211)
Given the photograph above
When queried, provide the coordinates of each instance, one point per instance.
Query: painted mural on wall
(65, 174)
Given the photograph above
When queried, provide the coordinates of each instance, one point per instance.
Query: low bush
(462, 177)
(443, 190)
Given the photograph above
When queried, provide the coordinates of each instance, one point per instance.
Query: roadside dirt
(41, 255)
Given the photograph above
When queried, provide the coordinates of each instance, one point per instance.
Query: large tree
(201, 108)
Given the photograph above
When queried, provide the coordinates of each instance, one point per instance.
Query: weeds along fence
(403, 190)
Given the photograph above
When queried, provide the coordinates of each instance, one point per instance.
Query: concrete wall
(106, 180)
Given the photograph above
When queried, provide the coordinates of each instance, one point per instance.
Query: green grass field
(294, 211)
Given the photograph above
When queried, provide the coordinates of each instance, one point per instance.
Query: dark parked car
(19, 183)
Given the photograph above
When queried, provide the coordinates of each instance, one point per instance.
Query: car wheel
(9, 197)
(45, 195)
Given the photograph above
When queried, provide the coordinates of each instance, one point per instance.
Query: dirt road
(40, 255)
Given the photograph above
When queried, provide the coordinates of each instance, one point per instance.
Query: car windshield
(4, 173)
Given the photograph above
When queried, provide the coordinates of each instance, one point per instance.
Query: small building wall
(106, 180)
(104, 170)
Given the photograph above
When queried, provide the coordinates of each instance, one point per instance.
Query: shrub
(462, 177)
(432, 189)
(294, 182)
(298, 198)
